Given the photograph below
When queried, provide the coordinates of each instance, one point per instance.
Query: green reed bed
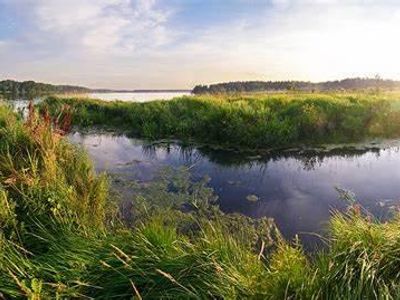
(246, 121)
(61, 236)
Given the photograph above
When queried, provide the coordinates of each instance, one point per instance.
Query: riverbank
(255, 122)
(61, 236)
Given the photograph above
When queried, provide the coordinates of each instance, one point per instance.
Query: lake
(295, 188)
(21, 104)
(138, 96)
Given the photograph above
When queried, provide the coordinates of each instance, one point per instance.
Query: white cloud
(297, 40)
(104, 26)
(132, 44)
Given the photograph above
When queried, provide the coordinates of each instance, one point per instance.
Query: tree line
(11, 89)
(260, 86)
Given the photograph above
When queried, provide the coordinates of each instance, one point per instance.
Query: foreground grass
(61, 238)
(247, 121)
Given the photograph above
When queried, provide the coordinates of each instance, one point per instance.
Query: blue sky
(180, 43)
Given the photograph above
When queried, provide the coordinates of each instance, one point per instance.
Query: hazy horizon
(133, 89)
(149, 44)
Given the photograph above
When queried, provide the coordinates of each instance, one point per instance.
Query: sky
(157, 44)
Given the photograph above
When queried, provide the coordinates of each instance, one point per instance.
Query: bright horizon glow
(139, 44)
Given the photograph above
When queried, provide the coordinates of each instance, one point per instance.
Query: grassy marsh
(61, 237)
(258, 121)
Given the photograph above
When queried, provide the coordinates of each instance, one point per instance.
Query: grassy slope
(59, 238)
(247, 121)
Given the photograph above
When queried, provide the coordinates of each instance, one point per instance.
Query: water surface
(297, 189)
(138, 96)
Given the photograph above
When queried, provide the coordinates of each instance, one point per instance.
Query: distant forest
(260, 86)
(11, 89)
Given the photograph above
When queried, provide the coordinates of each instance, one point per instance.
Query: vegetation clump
(246, 121)
(61, 237)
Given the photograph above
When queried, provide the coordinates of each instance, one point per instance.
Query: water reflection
(21, 106)
(296, 188)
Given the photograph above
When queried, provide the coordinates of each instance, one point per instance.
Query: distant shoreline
(140, 91)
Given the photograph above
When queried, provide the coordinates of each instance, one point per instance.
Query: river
(297, 188)
(139, 96)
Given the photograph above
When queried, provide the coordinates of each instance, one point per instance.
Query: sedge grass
(59, 238)
(246, 121)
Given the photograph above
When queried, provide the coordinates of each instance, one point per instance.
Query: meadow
(62, 237)
(246, 121)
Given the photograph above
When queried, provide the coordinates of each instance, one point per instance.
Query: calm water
(21, 106)
(296, 189)
(138, 97)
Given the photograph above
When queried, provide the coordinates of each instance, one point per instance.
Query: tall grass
(60, 237)
(246, 121)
